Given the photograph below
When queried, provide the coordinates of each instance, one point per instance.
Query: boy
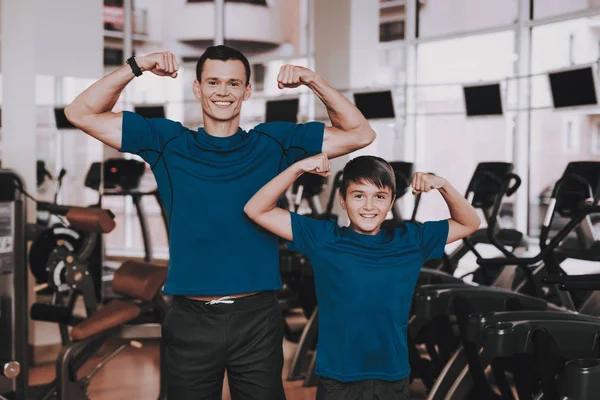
(223, 269)
(364, 276)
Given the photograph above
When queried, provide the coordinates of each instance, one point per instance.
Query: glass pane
(563, 44)
(157, 235)
(448, 142)
(391, 20)
(61, 147)
(391, 67)
(549, 8)
(46, 143)
(73, 150)
(254, 110)
(114, 16)
(468, 60)
(558, 136)
(440, 17)
(389, 31)
(115, 241)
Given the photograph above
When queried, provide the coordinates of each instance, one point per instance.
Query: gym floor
(133, 374)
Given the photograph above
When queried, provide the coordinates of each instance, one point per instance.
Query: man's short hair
(368, 169)
(222, 53)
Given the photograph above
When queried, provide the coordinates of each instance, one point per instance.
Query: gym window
(596, 139)
(258, 75)
(257, 2)
(389, 31)
(113, 57)
(571, 137)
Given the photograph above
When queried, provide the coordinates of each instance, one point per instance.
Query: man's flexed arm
(350, 130)
(92, 112)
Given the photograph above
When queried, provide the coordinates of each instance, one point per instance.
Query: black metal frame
(74, 353)
(548, 325)
(19, 306)
(490, 209)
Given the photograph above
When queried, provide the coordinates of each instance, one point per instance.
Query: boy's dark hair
(222, 53)
(369, 169)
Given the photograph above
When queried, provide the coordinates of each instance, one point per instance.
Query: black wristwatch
(134, 67)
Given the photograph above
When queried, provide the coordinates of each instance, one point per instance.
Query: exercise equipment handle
(572, 177)
(574, 282)
(511, 190)
(588, 208)
(53, 208)
(89, 219)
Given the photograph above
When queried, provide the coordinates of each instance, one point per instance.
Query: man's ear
(196, 89)
(248, 92)
(342, 200)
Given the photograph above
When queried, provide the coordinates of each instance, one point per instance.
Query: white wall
(548, 8)
(154, 17)
(70, 38)
(188, 21)
(439, 17)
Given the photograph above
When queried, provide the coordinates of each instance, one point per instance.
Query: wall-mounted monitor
(282, 110)
(574, 87)
(483, 100)
(61, 120)
(375, 105)
(150, 111)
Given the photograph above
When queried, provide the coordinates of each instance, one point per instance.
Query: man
(223, 269)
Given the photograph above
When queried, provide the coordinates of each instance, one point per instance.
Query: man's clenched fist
(292, 76)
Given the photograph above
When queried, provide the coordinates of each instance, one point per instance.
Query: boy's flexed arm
(464, 219)
(91, 110)
(349, 130)
(262, 207)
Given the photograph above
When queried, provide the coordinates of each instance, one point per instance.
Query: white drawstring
(222, 300)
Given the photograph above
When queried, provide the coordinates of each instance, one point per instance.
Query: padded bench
(139, 283)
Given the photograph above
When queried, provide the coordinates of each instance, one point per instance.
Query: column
(346, 37)
(219, 22)
(409, 150)
(407, 147)
(345, 43)
(521, 138)
(18, 93)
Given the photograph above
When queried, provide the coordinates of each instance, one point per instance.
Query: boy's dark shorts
(371, 389)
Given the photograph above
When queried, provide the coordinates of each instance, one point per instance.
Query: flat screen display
(375, 105)
(573, 88)
(483, 100)
(61, 120)
(282, 110)
(150, 111)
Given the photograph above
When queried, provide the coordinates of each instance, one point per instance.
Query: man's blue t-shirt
(204, 183)
(365, 285)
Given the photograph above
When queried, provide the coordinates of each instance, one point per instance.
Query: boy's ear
(342, 201)
(392, 204)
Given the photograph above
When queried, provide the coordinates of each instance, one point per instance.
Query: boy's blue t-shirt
(365, 286)
(204, 183)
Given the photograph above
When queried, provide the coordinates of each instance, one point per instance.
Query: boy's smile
(367, 206)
